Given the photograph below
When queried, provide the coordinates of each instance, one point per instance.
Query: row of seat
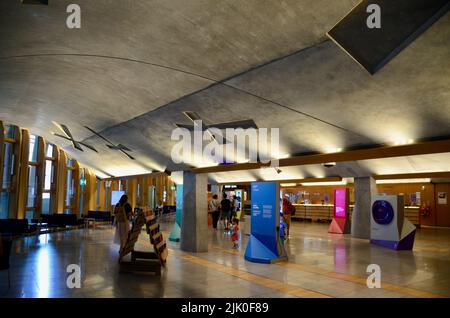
(19, 227)
(16, 227)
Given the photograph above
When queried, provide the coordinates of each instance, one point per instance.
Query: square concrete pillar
(194, 227)
(365, 188)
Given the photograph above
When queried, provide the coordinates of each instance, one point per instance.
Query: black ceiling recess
(68, 136)
(35, 2)
(402, 21)
(119, 147)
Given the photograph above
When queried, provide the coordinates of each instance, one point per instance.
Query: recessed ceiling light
(284, 156)
(333, 150)
(403, 141)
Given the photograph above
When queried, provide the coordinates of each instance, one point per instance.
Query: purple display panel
(340, 203)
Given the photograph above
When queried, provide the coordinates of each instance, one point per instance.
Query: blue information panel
(264, 245)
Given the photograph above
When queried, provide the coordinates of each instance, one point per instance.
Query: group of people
(226, 210)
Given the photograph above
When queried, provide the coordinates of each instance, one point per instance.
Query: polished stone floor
(320, 265)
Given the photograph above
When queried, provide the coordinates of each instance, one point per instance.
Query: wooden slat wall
(76, 182)
(102, 194)
(13, 199)
(61, 186)
(160, 181)
(40, 170)
(132, 192)
(442, 214)
(90, 191)
(22, 183)
(56, 178)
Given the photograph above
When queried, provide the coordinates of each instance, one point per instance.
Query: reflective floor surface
(320, 265)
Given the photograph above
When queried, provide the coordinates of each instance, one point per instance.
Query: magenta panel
(340, 203)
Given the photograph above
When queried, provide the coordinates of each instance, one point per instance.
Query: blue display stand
(264, 245)
(176, 231)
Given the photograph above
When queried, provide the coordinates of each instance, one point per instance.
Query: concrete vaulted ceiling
(133, 67)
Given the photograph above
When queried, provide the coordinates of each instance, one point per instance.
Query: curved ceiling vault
(132, 69)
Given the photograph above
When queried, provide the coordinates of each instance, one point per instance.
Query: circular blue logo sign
(382, 212)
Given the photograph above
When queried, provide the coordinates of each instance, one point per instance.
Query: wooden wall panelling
(102, 196)
(13, 198)
(40, 173)
(443, 210)
(132, 187)
(22, 184)
(90, 191)
(94, 189)
(170, 191)
(114, 187)
(139, 187)
(76, 186)
(54, 185)
(62, 181)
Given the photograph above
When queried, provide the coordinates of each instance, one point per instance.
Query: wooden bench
(142, 262)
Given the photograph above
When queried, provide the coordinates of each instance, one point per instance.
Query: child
(235, 233)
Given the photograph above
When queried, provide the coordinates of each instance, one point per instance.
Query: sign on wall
(442, 198)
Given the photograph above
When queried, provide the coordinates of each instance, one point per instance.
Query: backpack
(128, 210)
(225, 205)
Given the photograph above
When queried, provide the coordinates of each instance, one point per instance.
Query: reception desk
(314, 212)
(324, 212)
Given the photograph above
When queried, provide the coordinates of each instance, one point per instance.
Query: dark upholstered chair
(5, 252)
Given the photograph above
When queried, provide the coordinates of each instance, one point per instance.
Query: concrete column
(365, 188)
(194, 227)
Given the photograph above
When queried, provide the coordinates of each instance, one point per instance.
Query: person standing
(122, 222)
(215, 212)
(233, 208)
(235, 233)
(225, 208)
(288, 210)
